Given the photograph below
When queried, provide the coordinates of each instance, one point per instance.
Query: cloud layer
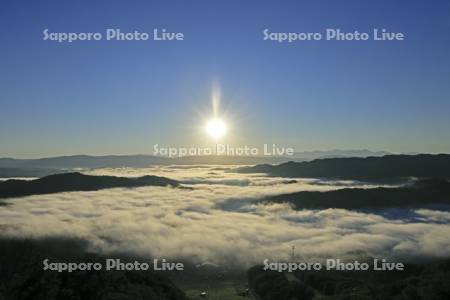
(215, 220)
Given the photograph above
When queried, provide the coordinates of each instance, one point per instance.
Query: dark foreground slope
(421, 193)
(70, 182)
(417, 281)
(389, 167)
(22, 276)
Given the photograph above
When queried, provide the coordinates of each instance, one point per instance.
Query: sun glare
(216, 128)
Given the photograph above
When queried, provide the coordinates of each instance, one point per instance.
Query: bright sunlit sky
(122, 97)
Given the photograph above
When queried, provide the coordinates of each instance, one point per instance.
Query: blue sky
(122, 97)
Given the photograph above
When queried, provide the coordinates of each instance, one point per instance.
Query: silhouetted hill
(22, 276)
(421, 193)
(371, 168)
(69, 182)
(419, 281)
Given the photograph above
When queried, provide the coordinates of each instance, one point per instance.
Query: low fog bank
(217, 220)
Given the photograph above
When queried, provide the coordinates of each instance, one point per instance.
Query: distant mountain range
(310, 155)
(389, 167)
(70, 182)
(84, 161)
(11, 167)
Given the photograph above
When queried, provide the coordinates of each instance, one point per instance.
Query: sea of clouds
(214, 218)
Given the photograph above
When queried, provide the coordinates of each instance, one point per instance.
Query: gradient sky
(103, 97)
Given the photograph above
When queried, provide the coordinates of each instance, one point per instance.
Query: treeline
(272, 285)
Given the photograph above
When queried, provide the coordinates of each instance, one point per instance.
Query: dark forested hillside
(22, 276)
(421, 193)
(390, 167)
(69, 182)
(418, 281)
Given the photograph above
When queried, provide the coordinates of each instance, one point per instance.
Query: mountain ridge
(71, 182)
(421, 193)
(389, 167)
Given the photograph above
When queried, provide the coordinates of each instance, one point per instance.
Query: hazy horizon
(296, 155)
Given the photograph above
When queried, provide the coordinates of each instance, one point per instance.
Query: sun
(216, 128)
